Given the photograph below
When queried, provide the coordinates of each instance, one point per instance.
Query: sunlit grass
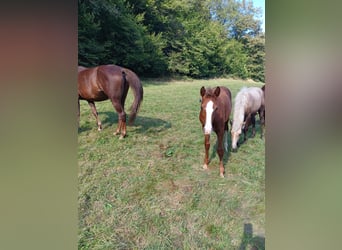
(149, 190)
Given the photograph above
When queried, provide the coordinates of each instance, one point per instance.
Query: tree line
(194, 38)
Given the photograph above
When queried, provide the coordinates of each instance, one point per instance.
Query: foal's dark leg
(206, 147)
(220, 151)
(94, 111)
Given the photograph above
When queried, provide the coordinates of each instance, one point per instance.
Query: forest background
(171, 38)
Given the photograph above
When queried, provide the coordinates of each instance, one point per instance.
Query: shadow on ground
(226, 153)
(142, 124)
(248, 242)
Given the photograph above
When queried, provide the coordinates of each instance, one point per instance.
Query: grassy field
(149, 190)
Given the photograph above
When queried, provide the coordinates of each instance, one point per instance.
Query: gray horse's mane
(239, 108)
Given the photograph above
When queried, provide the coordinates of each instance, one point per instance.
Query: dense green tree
(117, 36)
(236, 60)
(197, 50)
(89, 49)
(196, 38)
(240, 18)
(255, 48)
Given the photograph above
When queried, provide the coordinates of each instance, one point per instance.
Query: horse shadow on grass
(240, 143)
(141, 124)
(250, 242)
(226, 154)
(150, 125)
(250, 134)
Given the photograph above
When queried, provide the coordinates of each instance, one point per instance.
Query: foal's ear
(202, 91)
(217, 91)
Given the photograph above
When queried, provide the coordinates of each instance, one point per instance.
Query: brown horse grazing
(109, 82)
(216, 106)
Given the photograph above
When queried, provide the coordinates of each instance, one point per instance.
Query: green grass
(149, 190)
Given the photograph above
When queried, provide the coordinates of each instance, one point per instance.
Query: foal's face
(208, 107)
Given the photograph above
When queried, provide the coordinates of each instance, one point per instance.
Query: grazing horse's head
(235, 135)
(208, 108)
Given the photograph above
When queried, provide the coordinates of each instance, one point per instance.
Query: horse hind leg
(245, 126)
(123, 126)
(121, 129)
(94, 111)
(253, 125)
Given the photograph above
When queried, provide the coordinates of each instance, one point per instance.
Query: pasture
(149, 190)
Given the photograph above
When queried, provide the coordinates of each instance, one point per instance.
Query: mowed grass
(149, 190)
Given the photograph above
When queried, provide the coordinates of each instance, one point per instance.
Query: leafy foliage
(238, 17)
(256, 50)
(203, 38)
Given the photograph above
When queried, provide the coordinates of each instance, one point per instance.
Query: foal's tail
(138, 92)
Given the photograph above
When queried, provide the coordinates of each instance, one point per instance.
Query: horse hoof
(205, 166)
(121, 137)
(221, 175)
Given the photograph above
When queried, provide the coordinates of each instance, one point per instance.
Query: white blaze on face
(209, 111)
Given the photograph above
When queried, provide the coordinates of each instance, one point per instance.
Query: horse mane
(239, 108)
